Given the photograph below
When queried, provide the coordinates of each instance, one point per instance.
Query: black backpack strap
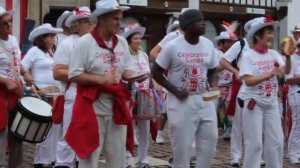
(242, 42)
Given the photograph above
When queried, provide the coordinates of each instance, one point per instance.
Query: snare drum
(32, 120)
(146, 107)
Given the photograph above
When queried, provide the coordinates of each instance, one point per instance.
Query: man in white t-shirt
(224, 41)
(294, 96)
(190, 61)
(101, 58)
(10, 90)
(296, 32)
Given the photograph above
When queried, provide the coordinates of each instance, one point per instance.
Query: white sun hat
(225, 35)
(252, 26)
(133, 28)
(106, 6)
(44, 29)
(4, 12)
(62, 18)
(78, 13)
(173, 26)
(296, 29)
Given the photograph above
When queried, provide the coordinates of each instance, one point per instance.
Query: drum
(146, 107)
(32, 120)
(211, 95)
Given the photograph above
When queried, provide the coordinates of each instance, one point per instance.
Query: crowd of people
(110, 88)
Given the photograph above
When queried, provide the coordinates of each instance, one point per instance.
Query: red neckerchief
(260, 49)
(101, 42)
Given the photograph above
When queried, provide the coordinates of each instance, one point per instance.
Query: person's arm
(212, 78)
(154, 52)
(293, 81)
(288, 65)
(94, 79)
(255, 80)
(12, 86)
(158, 76)
(60, 72)
(225, 64)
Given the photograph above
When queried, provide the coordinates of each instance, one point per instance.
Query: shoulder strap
(242, 42)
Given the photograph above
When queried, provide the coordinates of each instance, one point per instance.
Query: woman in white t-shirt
(39, 61)
(133, 35)
(294, 96)
(259, 69)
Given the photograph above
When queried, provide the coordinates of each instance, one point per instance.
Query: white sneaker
(262, 163)
(294, 161)
(235, 163)
(159, 138)
(227, 134)
(136, 142)
(128, 159)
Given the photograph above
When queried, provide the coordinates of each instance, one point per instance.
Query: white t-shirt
(232, 53)
(59, 38)
(41, 65)
(90, 58)
(255, 64)
(225, 76)
(188, 64)
(169, 37)
(62, 56)
(295, 71)
(141, 64)
(9, 51)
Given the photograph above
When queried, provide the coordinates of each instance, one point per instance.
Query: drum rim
(20, 108)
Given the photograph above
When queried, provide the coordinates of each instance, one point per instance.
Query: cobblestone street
(163, 152)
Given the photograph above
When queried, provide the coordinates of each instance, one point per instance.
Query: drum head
(36, 106)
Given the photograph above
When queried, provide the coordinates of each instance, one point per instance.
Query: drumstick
(35, 91)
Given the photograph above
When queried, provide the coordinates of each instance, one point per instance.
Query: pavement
(160, 154)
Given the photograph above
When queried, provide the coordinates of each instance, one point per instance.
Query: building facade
(156, 15)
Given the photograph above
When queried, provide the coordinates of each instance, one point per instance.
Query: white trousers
(112, 142)
(261, 121)
(45, 152)
(65, 155)
(143, 127)
(294, 139)
(236, 140)
(192, 119)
